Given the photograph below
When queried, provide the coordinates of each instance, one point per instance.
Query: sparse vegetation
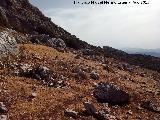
(45, 82)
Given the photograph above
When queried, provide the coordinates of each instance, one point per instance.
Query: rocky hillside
(21, 16)
(43, 78)
(145, 61)
(25, 18)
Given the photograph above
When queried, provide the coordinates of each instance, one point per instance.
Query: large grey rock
(109, 93)
(8, 44)
(56, 42)
(45, 39)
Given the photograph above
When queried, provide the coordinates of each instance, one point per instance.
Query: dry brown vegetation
(50, 103)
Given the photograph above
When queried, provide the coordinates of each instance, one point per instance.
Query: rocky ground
(49, 83)
(48, 74)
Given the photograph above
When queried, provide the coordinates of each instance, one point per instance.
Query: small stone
(106, 67)
(34, 94)
(3, 108)
(111, 117)
(94, 75)
(130, 112)
(77, 57)
(71, 113)
(156, 117)
(157, 92)
(149, 105)
(36, 56)
(139, 107)
(142, 74)
(106, 108)
(25, 67)
(101, 115)
(1, 65)
(81, 74)
(138, 118)
(3, 117)
(95, 84)
(90, 109)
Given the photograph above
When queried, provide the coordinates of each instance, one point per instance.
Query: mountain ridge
(152, 52)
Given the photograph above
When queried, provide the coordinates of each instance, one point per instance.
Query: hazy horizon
(118, 26)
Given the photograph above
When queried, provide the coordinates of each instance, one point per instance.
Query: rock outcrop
(8, 44)
(24, 17)
(47, 40)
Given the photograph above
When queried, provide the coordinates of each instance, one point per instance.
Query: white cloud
(116, 26)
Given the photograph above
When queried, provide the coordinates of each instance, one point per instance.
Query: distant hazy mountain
(152, 52)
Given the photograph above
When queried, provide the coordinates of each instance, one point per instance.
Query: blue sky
(119, 26)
